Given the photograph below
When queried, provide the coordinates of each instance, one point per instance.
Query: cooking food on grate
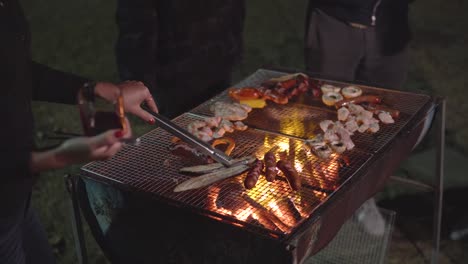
(328, 88)
(210, 178)
(331, 98)
(321, 151)
(338, 146)
(378, 108)
(230, 111)
(194, 156)
(206, 168)
(290, 173)
(253, 174)
(351, 91)
(229, 142)
(288, 84)
(227, 119)
(189, 154)
(245, 93)
(270, 165)
(343, 114)
(278, 90)
(359, 100)
(274, 96)
(386, 118)
(254, 103)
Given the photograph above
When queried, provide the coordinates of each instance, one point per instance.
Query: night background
(79, 37)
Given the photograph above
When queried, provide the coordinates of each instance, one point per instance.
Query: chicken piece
(386, 118)
(366, 114)
(355, 109)
(317, 141)
(338, 146)
(351, 125)
(213, 121)
(330, 135)
(233, 112)
(345, 138)
(203, 136)
(363, 127)
(343, 114)
(374, 127)
(207, 130)
(238, 125)
(195, 126)
(325, 125)
(322, 151)
(219, 132)
(227, 125)
(246, 108)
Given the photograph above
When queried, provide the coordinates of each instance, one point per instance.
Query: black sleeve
(54, 86)
(137, 22)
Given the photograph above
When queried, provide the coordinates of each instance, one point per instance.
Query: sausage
(373, 99)
(377, 108)
(290, 173)
(270, 166)
(253, 174)
(275, 97)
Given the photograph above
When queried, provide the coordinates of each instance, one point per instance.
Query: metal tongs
(193, 141)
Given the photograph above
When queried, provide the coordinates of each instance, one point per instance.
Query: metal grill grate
(270, 208)
(300, 117)
(151, 168)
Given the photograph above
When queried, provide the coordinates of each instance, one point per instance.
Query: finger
(128, 129)
(151, 104)
(144, 115)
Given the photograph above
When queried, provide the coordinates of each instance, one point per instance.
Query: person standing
(362, 41)
(184, 51)
(22, 237)
(358, 40)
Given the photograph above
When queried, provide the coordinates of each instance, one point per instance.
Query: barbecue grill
(300, 223)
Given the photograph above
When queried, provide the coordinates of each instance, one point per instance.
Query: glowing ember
(274, 205)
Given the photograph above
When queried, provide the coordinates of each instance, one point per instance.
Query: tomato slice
(245, 93)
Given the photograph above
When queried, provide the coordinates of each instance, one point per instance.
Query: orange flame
(267, 207)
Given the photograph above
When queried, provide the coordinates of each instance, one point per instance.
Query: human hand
(134, 93)
(85, 149)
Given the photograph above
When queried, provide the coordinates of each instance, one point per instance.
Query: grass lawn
(78, 36)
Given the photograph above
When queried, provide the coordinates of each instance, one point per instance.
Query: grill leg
(78, 234)
(439, 181)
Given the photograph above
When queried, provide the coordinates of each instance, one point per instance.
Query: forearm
(45, 160)
(55, 86)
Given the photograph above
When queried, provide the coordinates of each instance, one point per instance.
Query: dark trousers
(337, 50)
(23, 239)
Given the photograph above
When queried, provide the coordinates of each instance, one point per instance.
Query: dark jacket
(179, 48)
(391, 18)
(22, 80)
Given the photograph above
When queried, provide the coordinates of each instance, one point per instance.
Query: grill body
(333, 188)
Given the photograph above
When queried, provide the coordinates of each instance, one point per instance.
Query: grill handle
(190, 139)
